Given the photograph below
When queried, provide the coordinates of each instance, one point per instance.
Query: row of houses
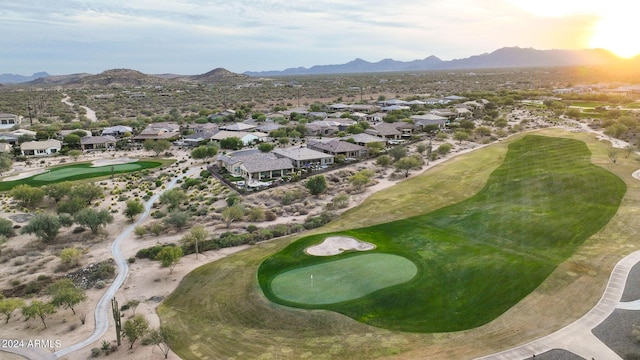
(259, 169)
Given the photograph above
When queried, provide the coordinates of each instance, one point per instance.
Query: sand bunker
(25, 174)
(335, 245)
(105, 162)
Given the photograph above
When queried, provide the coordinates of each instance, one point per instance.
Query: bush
(100, 284)
(95, 352)
(6, 228)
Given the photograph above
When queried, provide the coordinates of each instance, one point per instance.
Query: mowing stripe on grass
(344, 279)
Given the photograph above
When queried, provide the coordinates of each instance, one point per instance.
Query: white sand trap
(25, 174)
(335, 245)
(636, 174)
(104, 162)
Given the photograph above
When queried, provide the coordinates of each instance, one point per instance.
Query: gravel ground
(615, 331)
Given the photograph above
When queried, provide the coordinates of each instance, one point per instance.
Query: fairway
(479, 257)
(344, 279)
(67, 172)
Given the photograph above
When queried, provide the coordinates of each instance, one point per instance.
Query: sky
(192, 37)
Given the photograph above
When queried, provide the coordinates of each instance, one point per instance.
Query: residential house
(395, 108)
(446, 113)
(91, 143)
(365, 139)
(7, 121)
(159, 131)
(238, 127)
(392, 102)
(247, 138)
(255, 166)
(197, 138)
(338, 107)
(429, 119)
(222, 115)
(40, 148)
(303, 157)
(323, 128)
(337, 147)
(385, 130)
(9, 138)
(365, 108)
(117, 131)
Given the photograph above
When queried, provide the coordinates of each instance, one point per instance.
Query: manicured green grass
(78, 172)
(341, 280)
(479, 257)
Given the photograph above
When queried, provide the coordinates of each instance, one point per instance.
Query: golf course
(456, 248)
(78, 171)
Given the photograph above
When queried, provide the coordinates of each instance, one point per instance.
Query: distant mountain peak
(15, 79)
(513, 56)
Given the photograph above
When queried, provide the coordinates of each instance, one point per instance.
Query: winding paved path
(102, 312)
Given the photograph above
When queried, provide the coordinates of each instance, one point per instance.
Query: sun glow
(615, 32)
(612, 24)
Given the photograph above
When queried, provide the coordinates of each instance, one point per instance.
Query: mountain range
(508, 57)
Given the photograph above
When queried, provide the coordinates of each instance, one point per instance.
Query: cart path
(577, 336)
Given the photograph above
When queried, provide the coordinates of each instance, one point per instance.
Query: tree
(66, 294)
(460, 136)
(161, 338)
(72, 205)
(173, 198)
(38, 309)
(134, 207)
(204, 152)
(406, 164)
(398, 152)
(231, 143)
(629, 149)
(265, 147)
(135, 328)
(169, 257)
(87, 191)
(75, 154)
(93, 219)
(232, 213)
(196, 235)
(444, 149)
(177, 219)
(157, 146)
(8, 306)
(72, 141)
(133, 305)
(57, 191)
(5, 162)
(483, 131)
(360, 179)
(27, 195)
(613, 156)
(375, 148)
(46, 227)
(421, 148)
(383, 160)
(316, 185)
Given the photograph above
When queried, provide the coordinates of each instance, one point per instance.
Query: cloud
(194, 36)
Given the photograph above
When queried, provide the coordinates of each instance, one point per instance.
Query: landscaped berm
(455, 268)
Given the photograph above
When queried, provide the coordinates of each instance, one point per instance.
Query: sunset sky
(195, 36)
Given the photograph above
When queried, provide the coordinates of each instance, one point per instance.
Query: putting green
(62, 173)
(344, 279)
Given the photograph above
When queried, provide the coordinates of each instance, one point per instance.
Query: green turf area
(479, 257)
(341, 280)
(78, 172)
(69, 172)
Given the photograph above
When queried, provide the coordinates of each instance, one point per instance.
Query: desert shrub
(313, 222)
(105, 271)
(6, 228)
(270, 215)
(152, 252)
(100, 284)
(95, 352)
